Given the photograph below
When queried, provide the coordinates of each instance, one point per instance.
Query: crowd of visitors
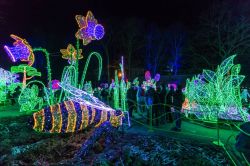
(158, 104)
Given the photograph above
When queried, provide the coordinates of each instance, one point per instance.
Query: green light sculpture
(99, 57)
(49, 77)
(8, 83)
(116, 91)
(88, 87)
(29, 100)
(123, 89)
(217, 94)
(27, 71)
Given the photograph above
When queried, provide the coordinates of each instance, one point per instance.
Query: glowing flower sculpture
(71, 53)
(21, 50)
(89, 29)
(149, 81)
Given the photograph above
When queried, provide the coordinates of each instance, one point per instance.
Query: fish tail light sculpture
(77, 113)
(70, 116)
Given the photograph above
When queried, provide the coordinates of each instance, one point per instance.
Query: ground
(135, 145)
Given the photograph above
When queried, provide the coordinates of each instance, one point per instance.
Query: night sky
(57, 17)
(51, 23)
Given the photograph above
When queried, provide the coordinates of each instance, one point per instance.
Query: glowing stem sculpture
(116, 91)
(78, 54)
(123, 89)
(99, 57)
(46, 53)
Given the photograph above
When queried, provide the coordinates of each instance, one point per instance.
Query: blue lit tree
(176, 39)
(156, 49)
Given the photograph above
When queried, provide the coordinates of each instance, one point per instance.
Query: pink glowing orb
(147, 75)
(55, 84)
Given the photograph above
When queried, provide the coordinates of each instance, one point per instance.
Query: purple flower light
(21, 50)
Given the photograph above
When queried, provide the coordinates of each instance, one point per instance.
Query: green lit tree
(27, 71)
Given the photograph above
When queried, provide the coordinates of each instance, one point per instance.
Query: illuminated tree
(27, 71)
(156, 49)
(175, 43)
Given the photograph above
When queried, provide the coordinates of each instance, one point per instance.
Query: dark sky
(46, 22)
(58, 16)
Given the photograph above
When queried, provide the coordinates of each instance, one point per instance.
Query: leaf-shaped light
(237, 80)
(235, 69)
(226, 65)
(209, 75)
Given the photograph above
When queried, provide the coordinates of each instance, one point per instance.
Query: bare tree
(131, 39)
(224, 30)
(156, 49)
(175, 38)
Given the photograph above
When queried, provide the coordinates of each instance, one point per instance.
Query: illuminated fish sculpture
(70, 116)
(21, 50)
(89, 29)
(78, 112)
